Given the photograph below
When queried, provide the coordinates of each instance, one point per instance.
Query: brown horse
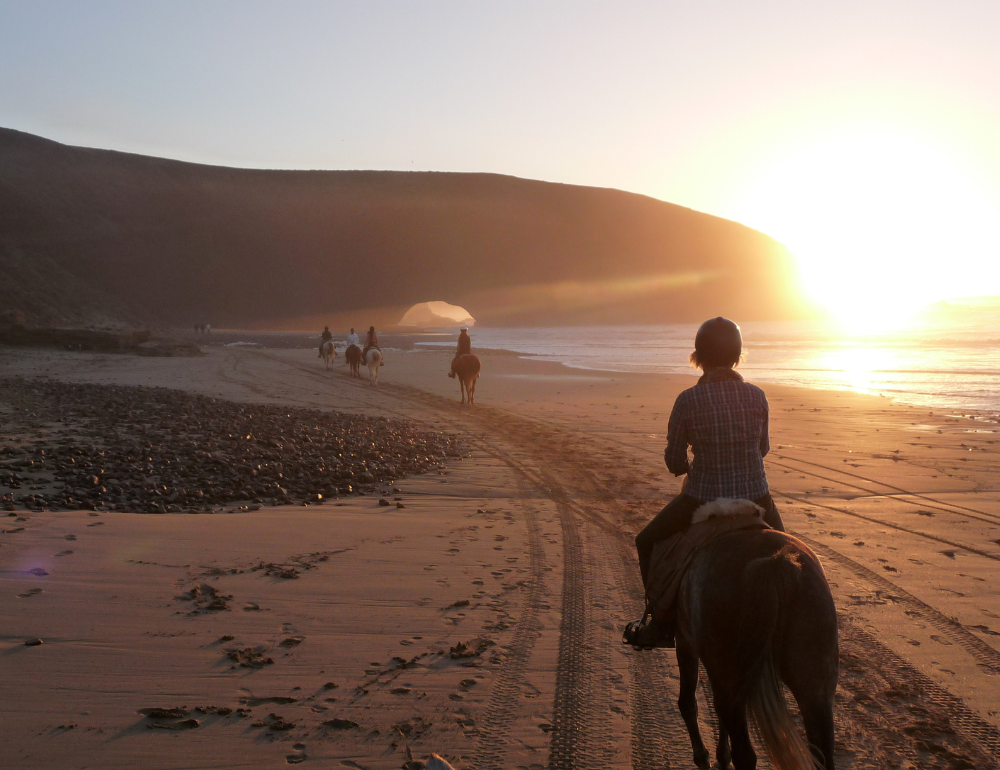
(773, 587)
(467, 368)
(353, 357)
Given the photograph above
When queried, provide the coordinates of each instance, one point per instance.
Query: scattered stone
(206, 598)
(383, 502)
(473, 649)
(161, 713)
(248, 657)
(340, 724)
(33, 642)
(281, 700)
(278, 723)
(153, 450)
(184, 724)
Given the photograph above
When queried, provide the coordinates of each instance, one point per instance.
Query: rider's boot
(649, 635)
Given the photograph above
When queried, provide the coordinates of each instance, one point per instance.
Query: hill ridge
(91, 234)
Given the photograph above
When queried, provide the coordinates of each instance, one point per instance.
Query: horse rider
(464, 343)
(725, 422)
(371, 341)
(327, 336)
(464, 346)
(352, 338)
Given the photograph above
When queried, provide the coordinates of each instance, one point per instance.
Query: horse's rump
(466, 365)
(756, 608)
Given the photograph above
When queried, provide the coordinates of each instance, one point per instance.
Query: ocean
(946, 359)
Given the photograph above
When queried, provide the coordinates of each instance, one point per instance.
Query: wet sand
(533, 532)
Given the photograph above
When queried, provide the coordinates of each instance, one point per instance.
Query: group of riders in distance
(724, 583)
(465, 366)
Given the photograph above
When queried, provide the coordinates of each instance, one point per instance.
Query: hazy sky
(688, 102)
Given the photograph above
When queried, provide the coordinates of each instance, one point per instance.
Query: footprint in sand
(30, 592)
(96, 524)
(64, 553)
(69, 537)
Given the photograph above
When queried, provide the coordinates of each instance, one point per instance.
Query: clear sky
(698, 103)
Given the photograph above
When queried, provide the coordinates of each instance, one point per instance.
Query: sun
(882, 225)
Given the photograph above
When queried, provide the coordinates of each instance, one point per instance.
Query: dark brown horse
(466, 367)
(774, 588)
(353, 357)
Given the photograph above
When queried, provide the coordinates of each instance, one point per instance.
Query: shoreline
(965, 393)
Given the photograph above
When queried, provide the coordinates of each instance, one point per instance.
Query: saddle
(672, 557)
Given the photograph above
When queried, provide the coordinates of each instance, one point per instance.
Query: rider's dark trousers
(676, 517)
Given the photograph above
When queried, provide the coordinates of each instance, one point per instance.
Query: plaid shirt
(725, 422)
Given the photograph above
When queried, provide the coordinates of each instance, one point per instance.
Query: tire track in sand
(888, 713)
(503, 706)
(984, 655)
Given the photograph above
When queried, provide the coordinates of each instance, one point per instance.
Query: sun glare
(882, 225)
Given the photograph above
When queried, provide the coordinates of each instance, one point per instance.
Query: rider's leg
(675, 517)
(771, 515)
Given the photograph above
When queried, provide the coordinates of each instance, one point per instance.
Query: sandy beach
(481, 620)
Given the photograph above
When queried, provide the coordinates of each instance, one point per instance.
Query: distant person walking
(464, 342)
(326, 336)
(352, 338)
(371, 341)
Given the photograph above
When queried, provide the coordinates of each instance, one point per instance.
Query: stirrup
(629, 632)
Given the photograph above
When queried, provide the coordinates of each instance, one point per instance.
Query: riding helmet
(717, 343)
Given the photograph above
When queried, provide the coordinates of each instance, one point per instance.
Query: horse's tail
(769, 585)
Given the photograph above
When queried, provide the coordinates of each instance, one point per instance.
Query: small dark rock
(340, 724)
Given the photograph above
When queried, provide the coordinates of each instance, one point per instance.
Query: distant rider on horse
(327, 336)
(725, 422)
(464, 347)
(371, 341)
(352, 338)
(464, 343)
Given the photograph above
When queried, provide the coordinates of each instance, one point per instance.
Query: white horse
(374, 360)
(328, 352)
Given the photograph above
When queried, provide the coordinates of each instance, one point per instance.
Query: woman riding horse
(371, 341)
(725, 422)
(324, 338)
